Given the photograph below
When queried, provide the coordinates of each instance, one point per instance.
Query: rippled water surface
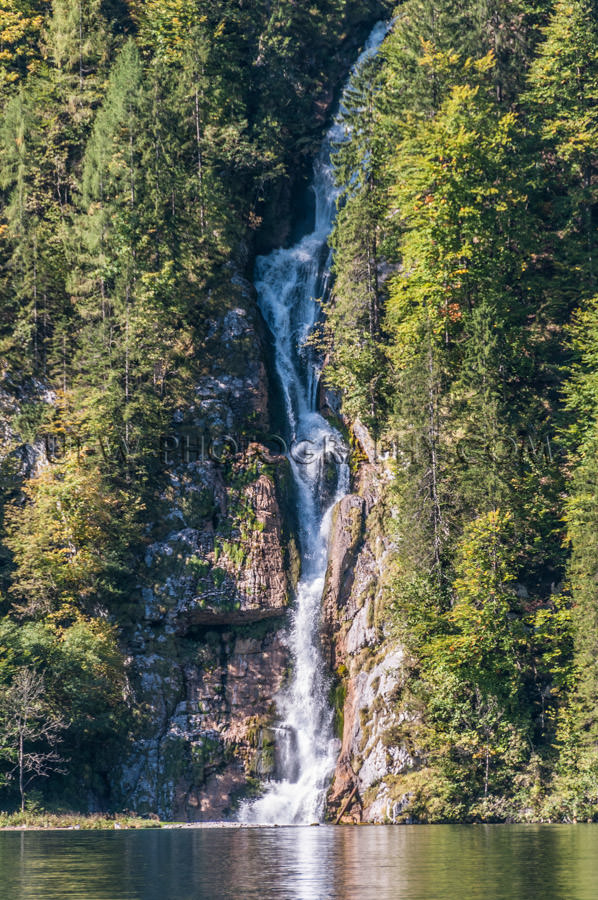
(303, 863)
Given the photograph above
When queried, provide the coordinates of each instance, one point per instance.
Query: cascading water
(288, 283)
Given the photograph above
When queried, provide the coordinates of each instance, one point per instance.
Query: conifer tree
(451, 315)
(582, 515)
(355, 311)
(122, 309)
(41, 147)
(563, 94)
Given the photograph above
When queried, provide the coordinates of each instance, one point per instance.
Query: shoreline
(83, 823)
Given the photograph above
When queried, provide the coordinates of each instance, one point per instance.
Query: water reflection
(368, 863)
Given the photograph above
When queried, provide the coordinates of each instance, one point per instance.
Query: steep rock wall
(364, 657)
(207, 657)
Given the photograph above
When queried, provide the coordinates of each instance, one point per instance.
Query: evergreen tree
(582, 517)
(563, 95)
(452, 317)
(142, 146)
(355, 310)
(41, 146)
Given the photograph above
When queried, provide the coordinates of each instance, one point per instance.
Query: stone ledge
(232, 617)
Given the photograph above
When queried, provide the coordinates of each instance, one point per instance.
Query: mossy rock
(197, 506)
(337, 698)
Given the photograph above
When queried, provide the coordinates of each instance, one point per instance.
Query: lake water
(547, 862)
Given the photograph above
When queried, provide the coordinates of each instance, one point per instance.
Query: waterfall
(288, 281)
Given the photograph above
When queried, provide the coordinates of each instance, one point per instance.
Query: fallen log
(345, 805)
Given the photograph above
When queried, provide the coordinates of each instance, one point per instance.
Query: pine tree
(42, 137)
(119, 286)
(352, 327)
(563, 95)
(582, 515)
(506, 28)
(458, 196)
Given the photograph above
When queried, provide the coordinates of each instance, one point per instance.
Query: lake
(551, 862)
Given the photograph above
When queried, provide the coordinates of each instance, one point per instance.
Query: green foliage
(582, 523)
(19, 40)
(338, 696)
(84, 679)
(563, 88)
(473, 168)
(355, 307)
(485, 681)
(71, 541)
(141, 146)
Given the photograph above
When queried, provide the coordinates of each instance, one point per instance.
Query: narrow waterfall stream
(288, 283)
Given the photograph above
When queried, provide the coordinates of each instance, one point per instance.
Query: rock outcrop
(208, 655)
(22, 456)
(209, 707)
(366, 661)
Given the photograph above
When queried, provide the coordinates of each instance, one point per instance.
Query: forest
(148, 151)
(463, 331)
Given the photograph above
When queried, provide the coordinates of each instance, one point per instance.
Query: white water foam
(288, 281)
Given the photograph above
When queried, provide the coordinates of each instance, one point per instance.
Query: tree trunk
(432, 434)
(80, 47)
(127, 367)
(21, 768)
(202, 214)
(587, 182)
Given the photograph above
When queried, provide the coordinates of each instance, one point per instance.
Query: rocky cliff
(208, 656)
(365, 658)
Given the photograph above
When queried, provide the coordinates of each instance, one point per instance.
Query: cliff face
(208, 695)
(208, 656)
(367, 661)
